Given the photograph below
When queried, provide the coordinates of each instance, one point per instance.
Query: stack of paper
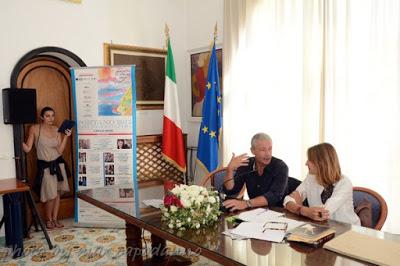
(258, 215)
(258, 231)
(263, 224)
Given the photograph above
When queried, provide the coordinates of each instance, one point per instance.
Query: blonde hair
(326, 161)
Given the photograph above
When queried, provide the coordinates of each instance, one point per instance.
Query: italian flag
(173, 149)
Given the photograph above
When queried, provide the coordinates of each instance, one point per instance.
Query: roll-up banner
(105, 113)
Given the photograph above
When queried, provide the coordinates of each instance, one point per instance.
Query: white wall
(82, 29)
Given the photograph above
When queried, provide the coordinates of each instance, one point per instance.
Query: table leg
(158, 248)
(133, 245)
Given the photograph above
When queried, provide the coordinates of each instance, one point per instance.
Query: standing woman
(52, 172)
(328, 192)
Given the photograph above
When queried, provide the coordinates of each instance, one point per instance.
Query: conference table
(212, 244)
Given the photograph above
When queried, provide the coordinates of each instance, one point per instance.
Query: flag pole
(166, 31)
(215, 37)
(215, 32)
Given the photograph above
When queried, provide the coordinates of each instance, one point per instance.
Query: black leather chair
(292, 184)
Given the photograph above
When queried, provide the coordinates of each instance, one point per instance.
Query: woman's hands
(68, 132)
(61, 147)
(315, 213)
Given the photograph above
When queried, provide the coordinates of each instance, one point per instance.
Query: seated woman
(328, 192)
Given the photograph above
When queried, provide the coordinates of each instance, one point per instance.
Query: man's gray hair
(259, 136)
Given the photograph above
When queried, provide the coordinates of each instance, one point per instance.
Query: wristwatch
(249, 205)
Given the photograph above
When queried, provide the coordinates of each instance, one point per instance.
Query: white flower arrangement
(190, 207)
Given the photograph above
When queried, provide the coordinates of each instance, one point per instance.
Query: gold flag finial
(166, 31)
(215, 31)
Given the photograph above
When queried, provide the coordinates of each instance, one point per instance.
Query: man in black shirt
(264, 175)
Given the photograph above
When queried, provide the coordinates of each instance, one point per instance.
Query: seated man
(264, 175)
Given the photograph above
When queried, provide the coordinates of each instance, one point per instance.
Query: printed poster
(105, 110)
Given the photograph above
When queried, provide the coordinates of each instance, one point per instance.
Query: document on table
(258, 231)
(156, 203)
(259, 215)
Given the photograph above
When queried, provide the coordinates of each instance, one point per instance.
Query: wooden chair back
(216, 180)
(379, 206)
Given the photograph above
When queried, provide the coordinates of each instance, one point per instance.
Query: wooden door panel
(51, 79)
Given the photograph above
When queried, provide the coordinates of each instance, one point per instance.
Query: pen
(261, 212)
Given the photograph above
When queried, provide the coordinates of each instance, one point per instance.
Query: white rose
(211, 200)
(199, 199)
(175, 190)
(178, 225)
(204, 193)
(186, 203)
(184, 194)
(173, 208)
(171, 225)
(166, 214)
(193, 191)
(189, 219)
(197, 225)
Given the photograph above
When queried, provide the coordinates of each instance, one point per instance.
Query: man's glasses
(275, 226)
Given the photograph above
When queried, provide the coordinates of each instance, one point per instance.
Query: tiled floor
(83, 246)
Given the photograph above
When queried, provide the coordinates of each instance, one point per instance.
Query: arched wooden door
(52, 81)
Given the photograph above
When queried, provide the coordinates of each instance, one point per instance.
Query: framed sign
(150, 71)
(199, 60)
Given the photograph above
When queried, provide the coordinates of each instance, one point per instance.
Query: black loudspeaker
(19, 106)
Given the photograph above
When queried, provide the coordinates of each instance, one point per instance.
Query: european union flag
(211, 123)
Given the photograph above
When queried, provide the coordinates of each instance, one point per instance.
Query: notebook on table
(311, 234)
